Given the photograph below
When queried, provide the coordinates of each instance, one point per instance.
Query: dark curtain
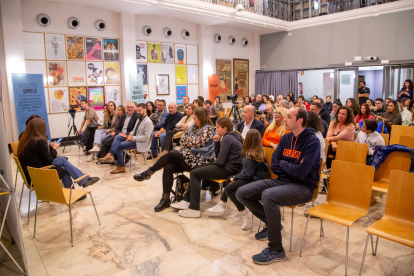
(276, 82)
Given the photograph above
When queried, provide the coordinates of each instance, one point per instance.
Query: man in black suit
(249, 122)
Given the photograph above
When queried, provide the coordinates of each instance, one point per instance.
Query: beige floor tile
(209, 270)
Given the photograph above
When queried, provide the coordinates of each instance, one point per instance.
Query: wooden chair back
(386, 138)
(221, 114)
(14, 146)
(326, 146)
(47, 185)
(16, 160)
(350, 185)
(352, 152)
(398, 131)
(269, 153)
(228, 110)
(407, 141)
(396, 160)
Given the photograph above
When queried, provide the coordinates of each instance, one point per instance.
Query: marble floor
(134, 240)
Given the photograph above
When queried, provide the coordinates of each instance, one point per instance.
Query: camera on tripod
(72, 111)
(233, 98)
(260, 112)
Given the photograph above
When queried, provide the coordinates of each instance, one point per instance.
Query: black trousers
(106, 146)
(172, 162)
(330, 159)
(168, 140)
(230, 191)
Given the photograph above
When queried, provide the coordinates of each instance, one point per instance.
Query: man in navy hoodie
(296, 162)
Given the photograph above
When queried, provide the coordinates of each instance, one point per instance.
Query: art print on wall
(141, 51)
(112, 73)
(94, 72)
(162, 84)
(241, 77)
(167, 53)
(111, 49)
(76, 73)
(74, 47)
(93, 48)
(180, 74)
(55, 47)
(58, 99)
(180, 54)
(142, 69)
(113, 93)
(154, 52)
(223, 70)
(96, 97)
(181, 91)
(76, 95)
(56, 72)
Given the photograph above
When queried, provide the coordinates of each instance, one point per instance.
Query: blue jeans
(116, 143)
(126, 145)
(71, 172)
(154, 145)
(100, 135)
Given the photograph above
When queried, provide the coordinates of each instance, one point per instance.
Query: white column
(206, 62)
(127, 48)
(255, 62)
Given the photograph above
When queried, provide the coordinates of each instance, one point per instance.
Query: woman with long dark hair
(353, 105)
(406, 90)
(364, 113)
(392, 116)
(151, 111)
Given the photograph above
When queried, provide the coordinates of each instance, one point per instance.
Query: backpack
(180, 188)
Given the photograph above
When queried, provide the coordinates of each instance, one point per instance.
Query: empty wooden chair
(221, 114)
(228, 110)
(352, 152)
(397, 131)
(25, 183)
(407, 141)
(386, 138)
(269, 153)
(397, 224)
(349, 196)
(326, 146)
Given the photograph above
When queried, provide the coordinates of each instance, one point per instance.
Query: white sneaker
(182, 205)
(95, 149)
(90, 157)
(220, 207)
(188, 213)
(247, 219)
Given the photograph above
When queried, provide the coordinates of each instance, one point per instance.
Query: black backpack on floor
(180, 188)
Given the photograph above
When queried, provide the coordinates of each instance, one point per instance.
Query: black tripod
(75, 131)
(234, 110)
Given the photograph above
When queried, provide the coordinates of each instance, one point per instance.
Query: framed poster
(76, 95)
(96, 97)
(113, 93)
(93, 48)
(154, 52)
(58, 99)
(111, 73)
(56, 73)
(192, 74)
(76, 73)
(180, 74)
(55, 47)
(192, 54)
(94, 73)
(241, 77)
(167, 53)
(181, 91)
(146, 93)
(223, 70)
(141, 51)
(111, 49)
(162, 83)
(33, 45)
(74, 47)
(180, 54)
(142, 69)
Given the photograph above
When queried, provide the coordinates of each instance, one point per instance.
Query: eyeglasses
(278, 113)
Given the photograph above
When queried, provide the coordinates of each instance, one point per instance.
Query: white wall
(313, 82)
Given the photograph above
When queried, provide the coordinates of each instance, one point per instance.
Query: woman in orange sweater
(276, 129)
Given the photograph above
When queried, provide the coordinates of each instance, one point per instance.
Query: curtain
(276, 82)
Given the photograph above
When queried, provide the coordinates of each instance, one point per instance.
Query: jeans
(126, 145)
(230, 191)
(208, 171)
(154, 145)
(167, 144)
(273, 193)
(100, 135)
(71, 172)
(116, 143)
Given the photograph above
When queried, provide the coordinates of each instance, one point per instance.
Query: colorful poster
(111, 73)
(93, 48)
(94, 72)
(55, 47)
(223, 70)
(142, 69)
(213, 87)
(76, 95)
(167, 53)
(162, 84)
(241, 77)
(154, 52)
(96, 97)
(113, 93)
(74, 47)
(180, 54)
(141, 51)
(180, 74)
(58, 99)
(136, 86)
(56, 73)
(111, 49)
(76, 73)
(181, 92)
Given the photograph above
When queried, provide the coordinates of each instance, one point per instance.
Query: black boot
(164, 203)
(145, 175)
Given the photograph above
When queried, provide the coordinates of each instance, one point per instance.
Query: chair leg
(70, 221)
(225, 212)
(15, 180)
(363, 256)
(376, 247)
(221, 189)
(322, 234)
(251, 229)
(260, 224)
(28, 208)
(145, 158)
(34, 228)
(130, 164)
(21, 195)
(283, 213)
(346, 257)
(93, 203)
(372, 245)
(291, 232)
(304, 237)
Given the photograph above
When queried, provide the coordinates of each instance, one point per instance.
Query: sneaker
(220, 208)
(247, 219)
(189, 213)
(90, 158)
(95, 149)
(182, 205)
(268, 256)
(262, 235)
(90, 181)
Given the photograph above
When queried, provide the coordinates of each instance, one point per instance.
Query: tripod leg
(67, 139)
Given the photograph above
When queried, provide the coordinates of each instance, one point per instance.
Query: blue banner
(29, 99)
(136, 87)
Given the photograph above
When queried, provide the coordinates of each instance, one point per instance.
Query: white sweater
(322, 142)
(373, 139)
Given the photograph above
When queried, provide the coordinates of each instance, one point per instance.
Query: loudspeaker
(231, 40)
(43, 19)
(185, 34)
(147, 30)
(217, 38)
(73, 23)
(100, 25)
(244, 42)
(167, 32)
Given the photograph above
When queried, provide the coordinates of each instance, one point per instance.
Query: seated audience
(406, 90)
(364, 113)
(314, 98)
(196, 148)
(267, 118)
(249, 122)
(240, 107)
(324, 114)
(392, 116)
(183, 125)
(410, 106)
(405, 112)
(262, 107)
(291, 101)
(283, 103)
(247, 100)
(279, 98)
(228, 150)
(328, 104)
(161, 114)
(183, 107)
(151, 109)
(90, 118)
(106, 143)
(341, 128)
(212, 111)
(254, 168)
(370, 104)
(379, 107)
(335, 106)
(315, 122)
(198, 103)
(317, 107)
(387, 101)
(201, 98)
(297, 169)
(258, 102)
(369, 135)
(217, 103)
(35, 151)
(353, 105)
(252, 98)
(301, 103)
(276, 129)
